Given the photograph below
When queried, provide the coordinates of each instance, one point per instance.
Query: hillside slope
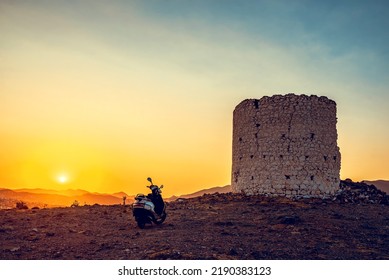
(218, 226)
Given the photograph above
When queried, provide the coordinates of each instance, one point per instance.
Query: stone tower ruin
(286, 145)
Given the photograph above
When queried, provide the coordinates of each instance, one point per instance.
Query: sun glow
(63, 179)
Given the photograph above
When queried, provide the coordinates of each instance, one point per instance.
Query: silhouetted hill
(225, 189)
(39, 197)
(383, 185)
(69, 192)
(53, 198)
(120, 195)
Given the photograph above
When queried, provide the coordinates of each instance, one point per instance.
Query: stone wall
(286, 145)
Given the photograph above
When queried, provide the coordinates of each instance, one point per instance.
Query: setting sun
(62, 179)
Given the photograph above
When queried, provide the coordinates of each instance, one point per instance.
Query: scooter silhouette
(151, 208)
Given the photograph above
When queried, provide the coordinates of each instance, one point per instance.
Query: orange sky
(99, 97)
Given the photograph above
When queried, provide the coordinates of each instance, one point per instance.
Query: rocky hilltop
(352, 225)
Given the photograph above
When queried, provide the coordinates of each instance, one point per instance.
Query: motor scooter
(151, 208)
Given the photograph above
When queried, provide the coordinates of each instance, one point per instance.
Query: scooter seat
(140, 196)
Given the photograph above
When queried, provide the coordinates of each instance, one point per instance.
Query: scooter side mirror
(161, 187)
(149, 179)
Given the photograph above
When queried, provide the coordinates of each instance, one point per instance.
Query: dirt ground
(218, 226)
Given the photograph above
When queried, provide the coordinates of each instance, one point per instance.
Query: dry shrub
(21, 205)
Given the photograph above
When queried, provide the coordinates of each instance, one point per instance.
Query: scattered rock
(105, 246)
(166, 255)
(5, 228)
(367, 226)
(278, 227)
(32, 238)
(359, 192)
(15, 249)
(337, 216)
(259, 255)
(289, 220)
(224, 224)
(233, 252)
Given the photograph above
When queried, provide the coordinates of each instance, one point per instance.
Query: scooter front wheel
(141, 224)
(161, 219)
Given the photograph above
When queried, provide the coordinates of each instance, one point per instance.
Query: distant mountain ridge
(39, 197)
(53, 198)
(224, 189)
(68, 192)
